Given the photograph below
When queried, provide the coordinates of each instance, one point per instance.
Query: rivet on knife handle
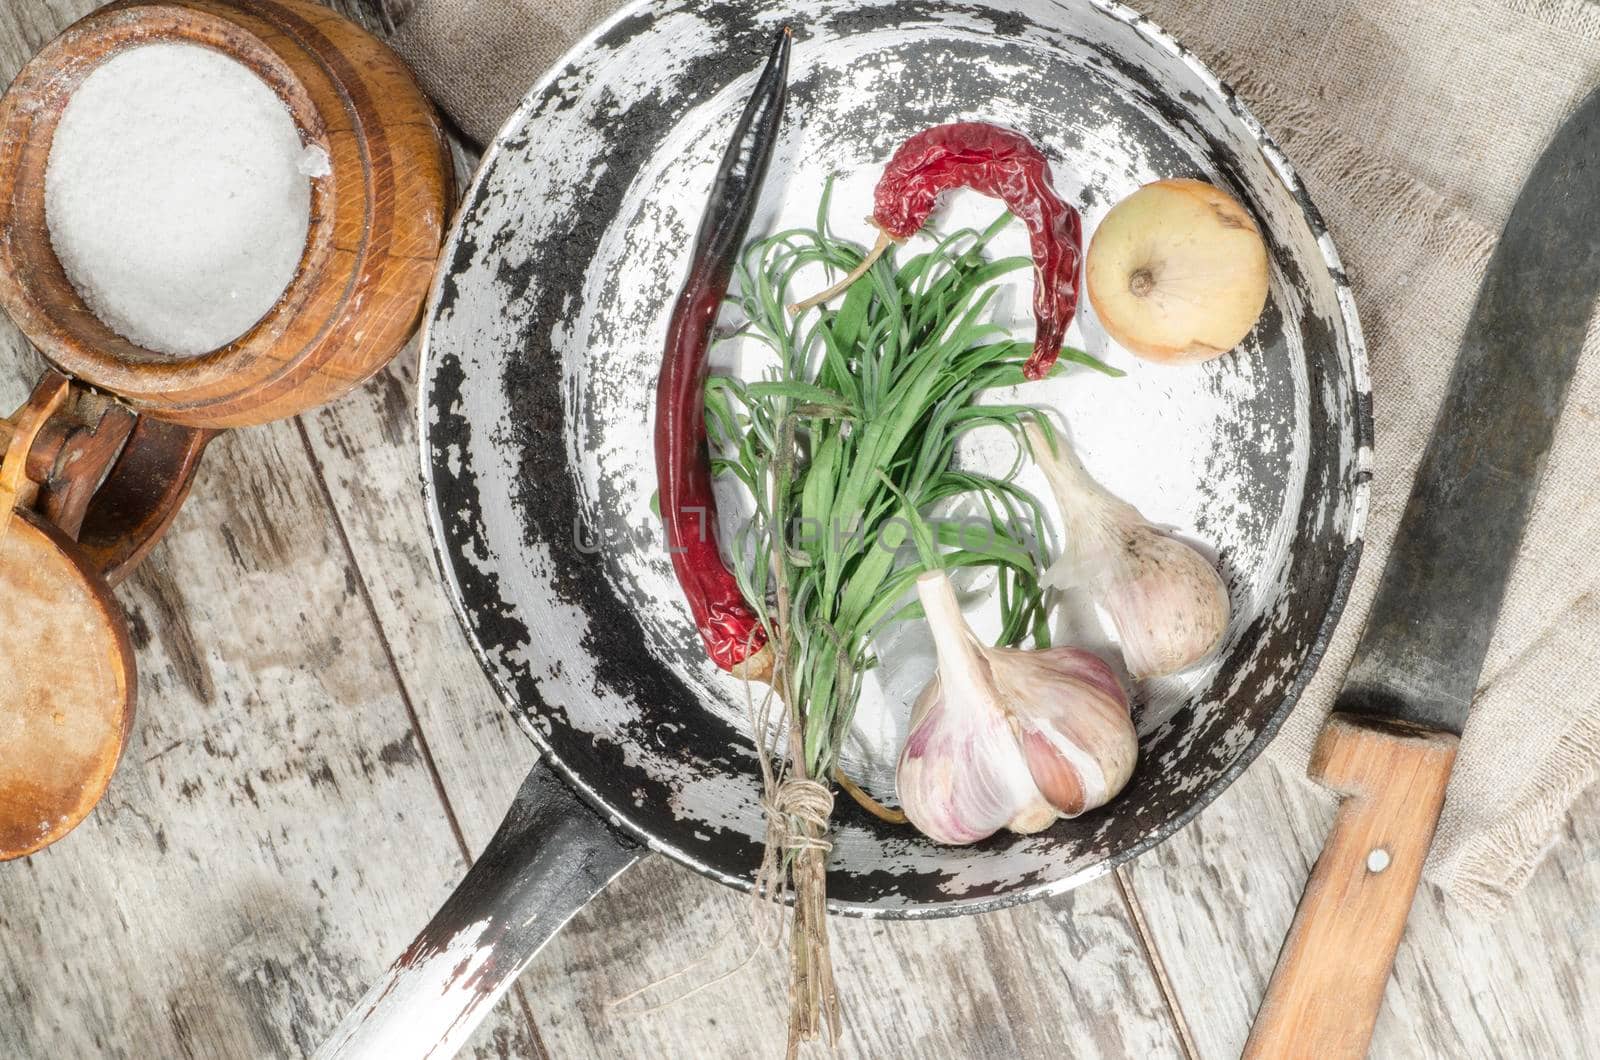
(1328, 986)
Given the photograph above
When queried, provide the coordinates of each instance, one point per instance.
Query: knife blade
(1390, 742)
(1423, 646)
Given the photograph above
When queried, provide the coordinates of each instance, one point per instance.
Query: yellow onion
(1177, 272)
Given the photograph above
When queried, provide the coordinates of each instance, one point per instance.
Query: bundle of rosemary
(846, 448)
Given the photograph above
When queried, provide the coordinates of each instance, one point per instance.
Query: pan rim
(1359, 500)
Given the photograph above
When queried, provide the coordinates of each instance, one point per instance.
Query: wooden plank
(365, 449)
(1064, 977)
(26, 26)
(1219, 897)
(273, 832)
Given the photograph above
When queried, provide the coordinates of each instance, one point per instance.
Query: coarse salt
(178, 196)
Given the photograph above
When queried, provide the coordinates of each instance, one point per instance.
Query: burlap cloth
(1413, 123)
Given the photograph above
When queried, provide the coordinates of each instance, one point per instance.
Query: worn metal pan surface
(544, 338)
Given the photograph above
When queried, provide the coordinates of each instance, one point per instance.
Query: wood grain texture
(103, 475)
(1058, 978)
(1220, 896)
(277, 833)
(91, 437)
(273, 833)
(1323, 997)
(141, 494)
(375, 228)
(17, 486)
(68, 680)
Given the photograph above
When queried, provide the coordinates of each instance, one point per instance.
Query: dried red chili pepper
(730, 629)
(1007, 166)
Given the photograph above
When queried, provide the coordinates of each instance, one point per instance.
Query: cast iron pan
(543, 341)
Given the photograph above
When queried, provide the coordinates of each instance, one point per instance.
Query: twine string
(797, 809)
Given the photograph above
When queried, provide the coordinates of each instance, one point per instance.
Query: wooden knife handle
(1325, 993)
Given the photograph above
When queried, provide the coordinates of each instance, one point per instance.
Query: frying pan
(542, 344)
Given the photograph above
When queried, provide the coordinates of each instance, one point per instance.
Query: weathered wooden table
(317, 756)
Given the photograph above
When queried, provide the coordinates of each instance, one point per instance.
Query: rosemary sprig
(847, 447)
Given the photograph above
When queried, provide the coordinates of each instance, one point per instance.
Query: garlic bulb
(1167, 602)
(1006, 738)
(1073, 722)
(1177, 272)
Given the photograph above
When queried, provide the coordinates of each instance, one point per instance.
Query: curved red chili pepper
(730, 629)
(1007, 166)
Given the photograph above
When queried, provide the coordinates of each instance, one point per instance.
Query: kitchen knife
(1391, 739)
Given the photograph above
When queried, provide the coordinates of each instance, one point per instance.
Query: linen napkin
(1413, 124)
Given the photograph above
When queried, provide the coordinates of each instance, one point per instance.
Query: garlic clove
(1073, 724)
(1008, 738)
(961, 776)
(1167, 602)
(1094, 521)
(1036, 816)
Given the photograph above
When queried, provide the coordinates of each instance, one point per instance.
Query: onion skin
(1177, 272)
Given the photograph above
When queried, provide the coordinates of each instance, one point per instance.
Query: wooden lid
(66, 686)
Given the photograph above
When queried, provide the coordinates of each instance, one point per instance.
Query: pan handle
(550, 855)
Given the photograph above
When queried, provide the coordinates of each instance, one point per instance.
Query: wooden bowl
(377, 220)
